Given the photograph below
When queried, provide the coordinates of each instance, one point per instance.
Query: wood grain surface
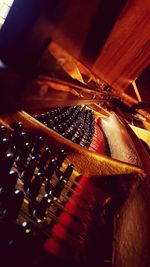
(127, 50)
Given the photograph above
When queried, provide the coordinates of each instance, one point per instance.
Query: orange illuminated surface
(73, 67)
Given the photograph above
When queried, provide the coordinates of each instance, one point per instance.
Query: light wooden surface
(127, 50)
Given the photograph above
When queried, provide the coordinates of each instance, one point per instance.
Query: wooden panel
(127, 50)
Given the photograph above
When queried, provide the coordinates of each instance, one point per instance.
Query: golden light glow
(136, 91)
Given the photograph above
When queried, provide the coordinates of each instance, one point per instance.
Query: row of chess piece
(75, 123)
